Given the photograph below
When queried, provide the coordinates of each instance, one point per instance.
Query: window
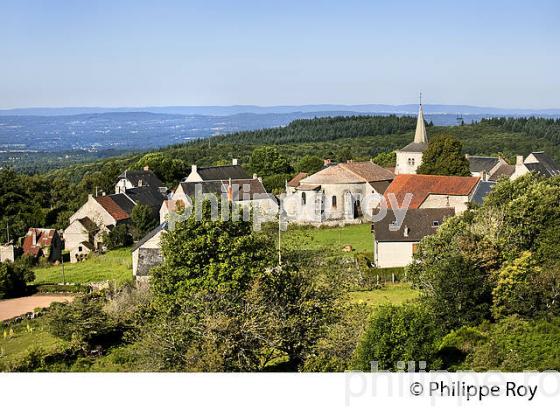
(334, 201)
(435, 224)
(303, 199)
(411, 161)
(79, 248)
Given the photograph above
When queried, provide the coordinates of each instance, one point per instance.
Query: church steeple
(421, 136)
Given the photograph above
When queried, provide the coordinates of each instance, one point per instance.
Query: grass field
(114, 265)
(397, 294)
(22, 336)
(331, 239)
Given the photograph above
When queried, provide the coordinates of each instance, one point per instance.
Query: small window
(411, 161)
(79, 248)
(303, 198)
(435, 224)
(334, 201)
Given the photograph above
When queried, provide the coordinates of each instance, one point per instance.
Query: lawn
(332, 239)
(22, 336)
(114, 265)
(397, 293)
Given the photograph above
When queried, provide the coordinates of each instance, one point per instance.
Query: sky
(115, 53)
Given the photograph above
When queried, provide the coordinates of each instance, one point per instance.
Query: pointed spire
(421, 136)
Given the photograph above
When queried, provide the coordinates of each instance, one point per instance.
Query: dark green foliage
(276, 184)
(309, 164)
(511, 345)
(386, 159)
(398, 333)
(144, 218)
(83, 321)
(444, 156)
(170, 170)
(118, 237)
(13, 279)
(267, 161)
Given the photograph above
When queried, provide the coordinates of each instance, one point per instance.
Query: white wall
(75, 234)
(402, 166)
(459, 202)
(393, 254)
(95, 212)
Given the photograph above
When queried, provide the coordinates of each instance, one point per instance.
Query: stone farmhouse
(489, 168)
(138, 178)
(146, 253)
(334, 194)
(537, 162)
(42, 242)
(395, 246)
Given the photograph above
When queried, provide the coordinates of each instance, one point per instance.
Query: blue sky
(137, 53)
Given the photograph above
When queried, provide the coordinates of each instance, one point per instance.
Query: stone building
(409, 158)
(138, 178)
(146, 253)
(537, 162)
(42, 242)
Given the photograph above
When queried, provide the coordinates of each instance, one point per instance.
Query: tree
(444, 157)
(309, 164)
(398, 333)
(386, 159)
(117, 237)
(13, 279)
(266, 161)
(144, 218)
(169, 169)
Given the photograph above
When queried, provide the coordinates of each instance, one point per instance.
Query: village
(333, 196)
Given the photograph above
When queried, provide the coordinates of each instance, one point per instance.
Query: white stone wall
(458, 202)
(6, 253)
(153, 243)
(122, 185)
(393, 254)
(95, 212)
(75, 234)
(403, 166)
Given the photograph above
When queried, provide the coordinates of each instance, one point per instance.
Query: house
(489, 168)
(433, 191)
(42, 242)
(106, 212)
(334, 194)
(138, 178)
(247, 192)
(7, 253)
(293, 183)
(537, 162)
(409, 158)
(146, 253)
(81, 238)
(217, 173)
(395, 246)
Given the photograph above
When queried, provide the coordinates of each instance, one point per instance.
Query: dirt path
(15, 307)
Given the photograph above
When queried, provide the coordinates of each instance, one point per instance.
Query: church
(409, 158)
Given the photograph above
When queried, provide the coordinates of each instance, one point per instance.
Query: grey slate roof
(123, 201)
(420, 223)
(479, 164)
(222, 172)
(482, 189)
(546, 165)
(242, 187)
(146, 195)
(149, 235)
(504, 170)
(415, 147)
(147, 177)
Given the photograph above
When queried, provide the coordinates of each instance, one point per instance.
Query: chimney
(140, 183)
(406, 231)
(229, 191)
(254, 176)
(146, 168)
(483, 175)
(327, 162)
(193, 168)
(519, 160)
(234, 161)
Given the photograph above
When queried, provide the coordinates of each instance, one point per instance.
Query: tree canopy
(444, 156)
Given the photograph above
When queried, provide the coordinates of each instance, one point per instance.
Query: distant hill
(215, 110)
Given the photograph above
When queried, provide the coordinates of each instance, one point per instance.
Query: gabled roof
(414, 147)
(479, 164)
(146, 195)
(114, 205)
(482, 189)
(349, 173)
(43, 239)
(294, 182)
(421, 186)
(241, 188)
(143, 177)
(547, 165)
(222, 172)
(417, 224)
(149, 235)
(504, 170)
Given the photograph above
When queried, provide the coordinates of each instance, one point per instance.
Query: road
(11, 308)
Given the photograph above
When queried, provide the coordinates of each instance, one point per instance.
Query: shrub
(398, 333)
(13, 279)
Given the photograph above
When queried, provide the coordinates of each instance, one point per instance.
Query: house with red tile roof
(432, 191)
(42, 242)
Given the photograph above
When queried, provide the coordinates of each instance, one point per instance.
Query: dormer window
(435, 224)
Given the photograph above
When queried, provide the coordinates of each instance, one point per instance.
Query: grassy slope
(114, 265)
(331, 239)
(397, 294)
(23, 338)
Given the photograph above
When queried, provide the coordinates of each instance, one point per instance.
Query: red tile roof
(43, 239)
(421, 186)
(294, 182)
(111, 206)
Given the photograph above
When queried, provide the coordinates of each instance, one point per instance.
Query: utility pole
(62, 261)
(279, 238)
(7, 232)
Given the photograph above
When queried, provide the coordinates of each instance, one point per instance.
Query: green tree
(309, 164)
(117, 237)
(386, 159)
(144, 218)
(444, 156)
(169, 169)
(266, 161)
(13, 279)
